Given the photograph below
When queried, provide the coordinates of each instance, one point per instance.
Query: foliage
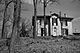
(31, 45)
(26, 28)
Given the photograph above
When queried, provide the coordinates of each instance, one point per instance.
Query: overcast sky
(70, 7)
(66, 6)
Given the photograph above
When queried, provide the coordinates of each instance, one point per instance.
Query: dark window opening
(54, 27)
(66, 23)
(54, 20)
(42, 31)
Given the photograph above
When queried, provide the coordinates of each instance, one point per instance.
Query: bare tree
(6, 17)
(45, 3)
(15, 30)
(35, 16)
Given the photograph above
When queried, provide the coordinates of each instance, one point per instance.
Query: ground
(38, 45)
(31, 45)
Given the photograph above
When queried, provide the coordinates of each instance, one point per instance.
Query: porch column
(42, 27)
(47, 30)
(64, 28)
(70, 28)
(51, 28)
(38, 28)
(59, 27)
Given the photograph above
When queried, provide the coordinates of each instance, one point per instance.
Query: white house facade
(55, 25)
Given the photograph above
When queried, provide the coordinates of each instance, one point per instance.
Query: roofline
(41, 16)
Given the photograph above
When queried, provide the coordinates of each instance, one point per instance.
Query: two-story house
(55, 25)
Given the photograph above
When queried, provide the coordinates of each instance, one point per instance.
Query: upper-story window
(54, 20)
(64, 23)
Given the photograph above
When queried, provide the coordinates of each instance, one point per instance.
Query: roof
(66, 18)
(61, 18)
(76, 33)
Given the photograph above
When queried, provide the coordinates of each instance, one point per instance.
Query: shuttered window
(54, 20)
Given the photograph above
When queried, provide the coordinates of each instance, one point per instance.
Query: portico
(55, 25)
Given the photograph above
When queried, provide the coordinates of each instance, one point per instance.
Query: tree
(22, 31)
(3, 21)
(6, 18)
(1, 14)
(35, 16)
(15, 30)
(26, 28)
(45, 3)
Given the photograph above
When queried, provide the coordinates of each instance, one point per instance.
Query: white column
(47, 29)
(51, 28)
(39, 28)
(42, 23)
(69, 28)
(59, 27)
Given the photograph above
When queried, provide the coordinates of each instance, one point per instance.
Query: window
(54, 20)
(64, 23)
(55, 29)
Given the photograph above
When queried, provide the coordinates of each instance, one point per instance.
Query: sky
(28, 1)
(70, 7)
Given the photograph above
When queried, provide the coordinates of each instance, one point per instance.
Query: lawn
(38, 45)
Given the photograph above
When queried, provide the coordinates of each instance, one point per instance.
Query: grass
(30, 45)
(47, 45)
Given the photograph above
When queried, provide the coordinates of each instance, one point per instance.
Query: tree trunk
(44, 18)
(15, 29)
(35, 16)
(3, 26)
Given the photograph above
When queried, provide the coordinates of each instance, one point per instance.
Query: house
(55, 25)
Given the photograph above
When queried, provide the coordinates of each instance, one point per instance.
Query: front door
(64, 31)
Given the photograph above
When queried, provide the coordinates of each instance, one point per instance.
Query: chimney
(60, 13)
(64, 14)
